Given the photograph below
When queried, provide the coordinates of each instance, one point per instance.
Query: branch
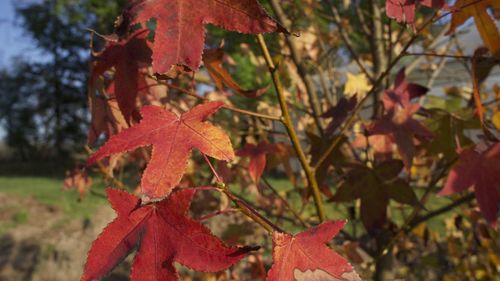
(418, 220)
(347, 42)
(289, 207)
(378, 82)
(287, 121)
(379, 58)
(439, 55)
(243, 206)
(301, 69)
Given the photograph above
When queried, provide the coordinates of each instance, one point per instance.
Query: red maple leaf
(400, 127)
(339, 113)
(257, 155)
(180, 35)
(172, 137)
(404, 10)
(307, 257)
(166, 236)
(481, 170)
(397, 123)
(127, 56)
(402, 93)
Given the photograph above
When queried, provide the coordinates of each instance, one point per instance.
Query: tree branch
(301, 69)
(418, 220)
(287, 121)
(350, 121)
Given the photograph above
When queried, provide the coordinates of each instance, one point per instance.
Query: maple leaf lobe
(118, 238)
(404, 10)
(374, 187)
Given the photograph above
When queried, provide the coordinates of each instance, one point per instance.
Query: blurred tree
(43, 101)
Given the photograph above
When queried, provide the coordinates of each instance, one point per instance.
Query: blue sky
(12, 40)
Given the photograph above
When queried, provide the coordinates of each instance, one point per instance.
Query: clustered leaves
(128, 104)
(165, 232)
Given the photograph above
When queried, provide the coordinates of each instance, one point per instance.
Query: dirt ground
(42, 244)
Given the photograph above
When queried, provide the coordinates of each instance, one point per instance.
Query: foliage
(155, 62)
(152, 89)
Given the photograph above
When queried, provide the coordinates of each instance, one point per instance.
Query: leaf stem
(288, 123)
(212, 168)
(251, 113)
(211, 215)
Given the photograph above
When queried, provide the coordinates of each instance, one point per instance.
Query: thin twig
(289, 207)
(439, 55)
(228, 107)
(359, 106)
(347, 42)
(250, 212)
(418, 220)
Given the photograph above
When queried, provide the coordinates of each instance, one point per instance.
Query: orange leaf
(475, 84)
(484, 22)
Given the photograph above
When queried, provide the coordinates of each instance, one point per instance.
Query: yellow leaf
(496, 120)
(356, 85)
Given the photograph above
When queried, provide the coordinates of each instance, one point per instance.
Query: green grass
(49, 192)
(20, 217)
